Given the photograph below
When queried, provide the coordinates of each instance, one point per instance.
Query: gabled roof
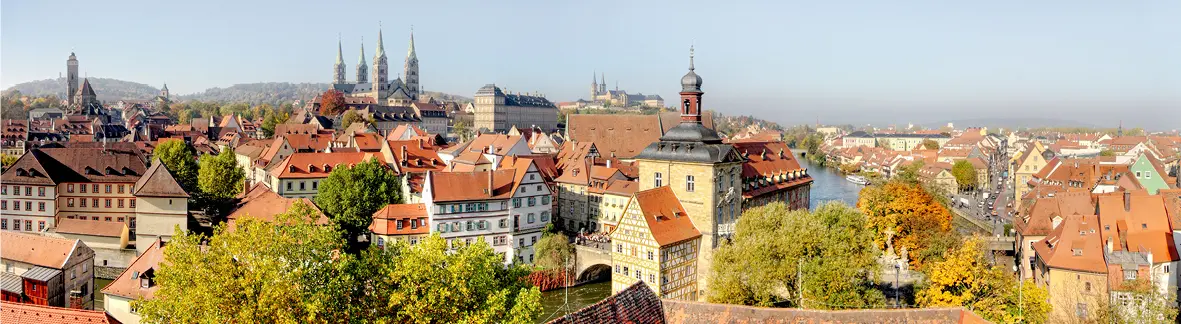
(127, 284)
(29, 170)
(463, 186)
(158, 182)
(39, 250)
(1075, 245)
(665, 216)
(318, 165)
(385, 221)
(82, 164)
(263, 204)
(624, 136)
(419, 156)
(1037, 219)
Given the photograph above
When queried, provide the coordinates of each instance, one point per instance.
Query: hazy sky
(790, 61)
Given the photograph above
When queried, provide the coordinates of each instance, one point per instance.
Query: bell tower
(72, 79)
(362, 68)
(691, 94)
(338, 68)
(380, 67)
(410, 70)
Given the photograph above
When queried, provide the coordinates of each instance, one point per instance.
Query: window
(16, 205)
(657, 180)
(399, 224)
(516, 202)
(315, 185)
(119, 219)
(108, 203)
(131, 203)
(619, 247)
(302, 186)
(545, 200)
(41, 191)
(4, 205)
(108, 188)
(120, 188)
(69, 202)
(120, 205)
(1148, 175)
(41, 206)
(625, 272)
(81, 188)
(538, 187)
(617, 268)
(639, 274)
(468, 226)
(531, 218)
(545, 218)
(1088, 287)
(532, 201)
(523, 189)
(1129, 274)
(28, 226)
(28, 205)
(442, 228)
(532, 240)
(651, 277)
(689, 183)
(4, 224)
(288, 186)
(41, 226)
(3, 190)
(28, 191)
(651, 255)
(107, 219)
(1137, 174)
(531, 176)
(1080, 310)
(521, 242)
(503, 223)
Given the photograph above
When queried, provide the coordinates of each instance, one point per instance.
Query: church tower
(410, 71)
(594, 87)
(164, 91)
(338, 68)
(603, 84)
(703, 172)
(362, 68)
(72, 79)
(380, 68)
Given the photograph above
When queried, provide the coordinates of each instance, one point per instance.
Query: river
(827, 185)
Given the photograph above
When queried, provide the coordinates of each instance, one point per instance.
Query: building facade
(47, 271)
(656, 243)
(497, 111)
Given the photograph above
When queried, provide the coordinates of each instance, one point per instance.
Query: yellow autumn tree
(910, 212)
(965, 279)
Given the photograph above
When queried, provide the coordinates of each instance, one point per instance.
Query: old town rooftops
(263, 204)
(1075, 245)
(665, 216)
(129, 283)
(318, 165)
(464, 186)
(385, 221)
(37, 250)
(82, 165)
(1039, 218)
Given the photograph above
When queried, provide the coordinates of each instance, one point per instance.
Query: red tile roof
(263, 204)
(127, 284)
(1074, 245)
(624, 136)
(158, 182)
(20, 313)
(385, 221)
(634, 304)
(463, 186)
(418, 156)
(666, 217)
(39, 250)
(318, 165)
(90, 227)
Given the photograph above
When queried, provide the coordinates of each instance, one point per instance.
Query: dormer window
(311, 168)
(290, 168)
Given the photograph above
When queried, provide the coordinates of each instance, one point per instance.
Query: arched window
(686, 109)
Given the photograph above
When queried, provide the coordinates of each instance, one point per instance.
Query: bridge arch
(592, 263)
(595, 272)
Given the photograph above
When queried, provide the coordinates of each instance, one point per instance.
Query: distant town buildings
(497, 111)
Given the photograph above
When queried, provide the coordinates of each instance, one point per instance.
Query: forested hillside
(106, 89)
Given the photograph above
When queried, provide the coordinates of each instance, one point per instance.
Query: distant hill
(107, 89)
(273, 93)
(1011, 123)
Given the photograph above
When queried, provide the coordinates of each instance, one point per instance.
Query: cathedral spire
(361, 60)
(362, 68)
(410, 52)
(339, 51)
(380, 46)
(338, 68)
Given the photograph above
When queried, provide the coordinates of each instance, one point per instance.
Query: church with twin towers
(400, 91)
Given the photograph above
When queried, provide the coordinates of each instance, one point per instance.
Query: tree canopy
(907, 210)
(350, 195)
(930, 144)
(220, 177)
(332, 103)
(291, 271)
(830, 247)
(180, 158)
(349, 118)
(553, 249)
(964, 278)
(965, 174)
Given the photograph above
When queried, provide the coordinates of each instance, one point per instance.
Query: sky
(1096, 62)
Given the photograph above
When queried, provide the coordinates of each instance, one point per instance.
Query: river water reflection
(580, 296)
(829, 185)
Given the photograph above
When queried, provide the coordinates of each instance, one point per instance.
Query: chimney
(403, 154)
(1127, 200)
(1109, 245)
(608, 163)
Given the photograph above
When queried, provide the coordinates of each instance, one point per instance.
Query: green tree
(965, 174)
(553, 250)
(350, 195)
(219, 176)
(332, 103)
(930, 144)
(270, 120)
(180, 158)
(185, 116)
(8, 160)
(1145, 305)
(1107, 152)
(831, 248)
(909, 173)
(964, 278)
(462, 131)
(349, 118)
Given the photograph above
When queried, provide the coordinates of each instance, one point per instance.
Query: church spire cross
(690, 57)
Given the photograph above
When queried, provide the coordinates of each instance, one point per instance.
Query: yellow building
(1070, 266)
(938, 175)
(656, 243)
(1024, 166)
(704, 173)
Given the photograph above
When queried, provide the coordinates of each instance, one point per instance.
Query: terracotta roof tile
(263, 204)
(21, 313)
(318, 165)
(634, 304)
(39, 250)
(128, 284)
(90, 227)
(463, 186)
(624, 136)
(385, 221)
(666, 218)
(415, 156)
(1074, 245)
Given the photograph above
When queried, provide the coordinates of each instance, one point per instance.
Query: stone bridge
(592, 263)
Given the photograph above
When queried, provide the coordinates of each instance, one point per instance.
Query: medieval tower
(72, 79)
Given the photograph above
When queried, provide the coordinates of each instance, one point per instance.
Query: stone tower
(703, 172)
(410, 71)
(362, 68)
(380, 68)
(338, 68)
(603, 84)
(594, 87)
(164, 91)
(72, 79)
